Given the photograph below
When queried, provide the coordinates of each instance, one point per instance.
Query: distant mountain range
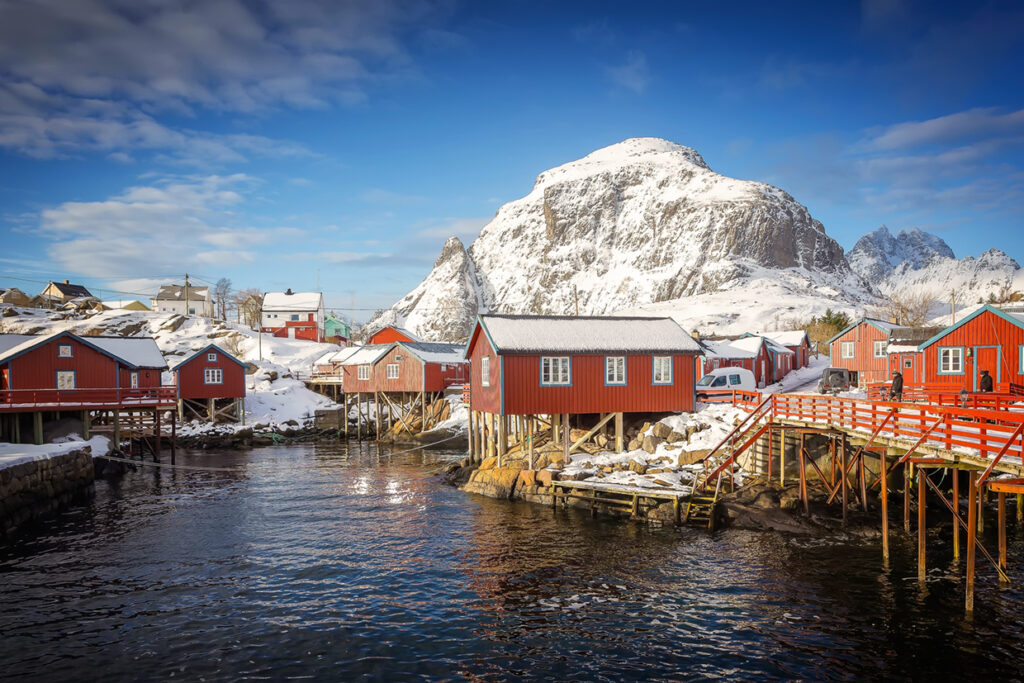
(645, 225)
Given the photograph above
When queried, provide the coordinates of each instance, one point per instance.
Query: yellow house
(58, 293)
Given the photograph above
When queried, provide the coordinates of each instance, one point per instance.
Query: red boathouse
(211, 385)
(862, 347)
(988, 339)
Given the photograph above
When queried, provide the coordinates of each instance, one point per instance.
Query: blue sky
(267, 141)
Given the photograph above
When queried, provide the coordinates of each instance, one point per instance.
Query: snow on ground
(716, 421)
(12, 454)
(458, 420)
(269, 402)
(802, 381)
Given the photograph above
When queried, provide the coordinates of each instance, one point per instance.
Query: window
(880, 346)
(133, 380)
(65, 379)
(295, 317)
(554, 371)
(908, 362)
(392, 371)
(191, 311)
(615, 370)
(846, 350)
(951, 360)
(735, 379)
(364, 372)
(719, 381)
(663, 370)
(213, 376)
(444, 367)
(1020, 360)
(485, 371)
(64, 351)
(212, 357)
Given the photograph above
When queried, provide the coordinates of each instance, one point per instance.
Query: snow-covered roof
(292, 301)
(786, 337)
(205, 349)
(730, 348)
(142, 352)
(584, 334)
(9, 341)
(367, 355)
(337, 356)
(429, 352)
(177, 293)
(776, 347)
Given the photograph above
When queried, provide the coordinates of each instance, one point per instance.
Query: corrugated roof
(585, 334)
(912, 336)
(142, 352)
(177, 293)
(367, 355)
(431, 352)
(9, 341)
(296, 301)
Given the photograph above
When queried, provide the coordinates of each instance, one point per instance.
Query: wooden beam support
(921, 531)
(956, 508)
(972, 531)
(583, 439)
(619, 438)
(1001, 523)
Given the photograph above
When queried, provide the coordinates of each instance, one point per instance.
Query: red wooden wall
(190, 377)
(994, 344)
(913, 375)
(147, 377)
(863, 336)
(486, 399)
(413, 374)
(37, 369)
(387, 335)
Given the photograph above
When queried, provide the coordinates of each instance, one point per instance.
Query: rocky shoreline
(35, 489)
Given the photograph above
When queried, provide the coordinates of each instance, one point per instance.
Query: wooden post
(619, 439)
(159, 437)
(972, 534)
(842, 474)
(921, 510)
(423, 411)
(174, 435)
(803, 479)
(1020, 507)
(471, 440)
(782, 458)
(86, 424)
(883, 494)
(863, 477)
(956, 507)
(344, 413)
(981, 511)
(16, 417)
(554, 427)
(907, 476)
(37, 428)
(211, 411)
(1001, 522)
(359, 415)
(117, 429)
(502, 437)
(181, 409)
(529, 440)
(565, 440)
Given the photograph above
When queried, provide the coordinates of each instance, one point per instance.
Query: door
(65, 379)
(909, 369)
(291, 333)
(133, 379)
(986, 358)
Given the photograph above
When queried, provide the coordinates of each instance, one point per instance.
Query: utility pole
(952, 303)
(576, 300)
(259, 331)
(186, 293)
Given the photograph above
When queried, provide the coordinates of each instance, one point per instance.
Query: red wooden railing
(57, 399)
(937, 396)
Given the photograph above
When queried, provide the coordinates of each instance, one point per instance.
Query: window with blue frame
(951, 360)
(213, 376)
(64, 351)
(485, 371)
(212, 357)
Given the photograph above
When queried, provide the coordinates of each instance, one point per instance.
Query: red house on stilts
(211, 385)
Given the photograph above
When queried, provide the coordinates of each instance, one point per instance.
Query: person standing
(985, 383)
(896, 390)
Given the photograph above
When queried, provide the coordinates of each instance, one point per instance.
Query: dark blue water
(316, 562)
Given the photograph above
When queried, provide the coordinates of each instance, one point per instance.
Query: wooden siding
(147, 377)
(37, 369)
(863, 336)
(190, 378)
(387, 335)
(994, 344)
(486, 399)
(415, 375)
(911, 375)
(588, 393)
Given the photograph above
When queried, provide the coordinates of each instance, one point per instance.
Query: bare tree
(249, 303)
(221, 295)
(911, 309)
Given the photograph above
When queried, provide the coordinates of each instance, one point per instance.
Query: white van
(724, 381)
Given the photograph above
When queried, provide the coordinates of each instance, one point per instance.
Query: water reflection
(341, 560)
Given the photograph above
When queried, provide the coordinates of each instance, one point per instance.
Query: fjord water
(338, 562)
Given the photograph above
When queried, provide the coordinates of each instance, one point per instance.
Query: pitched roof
(137, 352)
(296, 301)
(9, 341)
(177, 293)
(207, 348)
(881, 325)
(400, 330)
(585, 334)
(786, 337)
(367, 355)
(1014, 318)
(68, 289)
(911, 336)
(732, 349)
(431, 352)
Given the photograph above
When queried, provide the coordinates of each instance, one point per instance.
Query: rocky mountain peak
(452, 248)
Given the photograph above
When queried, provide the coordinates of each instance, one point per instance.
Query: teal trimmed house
(335, 329)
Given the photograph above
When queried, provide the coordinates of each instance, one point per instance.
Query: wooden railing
(743, 399)
(944, 397)
(58, 399)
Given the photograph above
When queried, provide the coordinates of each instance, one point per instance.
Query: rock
(674, 437)
(645, 427)
(662, 430)
(789, 498)
(499, 482)
(637, 467)
(527, 478)
(607, 469)
(545, 477)
(489, 463)
(634, 444)
(651, 443)
(575, 476)
(661, 482)
(672, 448)
(690, 457)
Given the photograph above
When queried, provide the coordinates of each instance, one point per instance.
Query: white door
(134, 379)
(291, 333)
(65, 379)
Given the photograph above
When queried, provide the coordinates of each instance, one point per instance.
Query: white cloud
(466, 229)
(966, 125)
(633, 74)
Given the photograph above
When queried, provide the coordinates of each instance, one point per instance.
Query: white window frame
(212, 357)
(213, 376)
(555, 371)
(843, 346)
(65, 351)
(884, 346)
(391, 371)
(660, 366)
(363, 373)
(66, 373)
(485, 371)
(614, 370)
(951, 360)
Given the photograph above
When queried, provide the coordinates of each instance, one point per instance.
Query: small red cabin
(862, 347)
(357, 369)
(749, 352)
(210, 373)
(988, 339)
(796, 341)
(537, 365)
(391, 334)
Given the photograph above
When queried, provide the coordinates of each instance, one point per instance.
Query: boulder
(545, 477)
(499, 482)
(638, 467)
(662, 430)
(690, 457)
(527, 478)
(634, 444)
(489, 463)
(675, 437)
(651, 443)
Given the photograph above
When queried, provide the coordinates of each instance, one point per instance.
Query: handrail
(738, 427)
(10, 398)
(999, 455)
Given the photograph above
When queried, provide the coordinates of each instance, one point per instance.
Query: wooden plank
(583, 439)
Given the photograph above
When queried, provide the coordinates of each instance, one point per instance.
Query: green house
(336, 327)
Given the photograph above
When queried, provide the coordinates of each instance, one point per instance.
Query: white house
(295, 315)
(185, 301)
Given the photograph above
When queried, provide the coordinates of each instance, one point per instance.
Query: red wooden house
(295, 315)
(357, 369)
(862, 347)
(904, 355)
(391, 334)
(796, 341)
(988, 339)
(532, 365)
(211, 384)
(420, 367)
(749, 352)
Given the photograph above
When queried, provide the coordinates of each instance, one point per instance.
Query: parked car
(834, 380)
(724, 381)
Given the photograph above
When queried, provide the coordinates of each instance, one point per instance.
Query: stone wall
(35, 489)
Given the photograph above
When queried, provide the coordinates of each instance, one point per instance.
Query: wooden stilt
(981, 511)
(883, 496)
(423, 409)
(907, 476)
(529, 438)
(469, 454)
(86, 424)
(803, 479)
(502, 437)
(37, 428)
(921, 531)
(1020, 507)
(956, 507)
(359, 416)
(158, 437)
(619, 447)
(972, 531)
(565, 439)
(174, 436)
(782, 458)
(863, 479)
(117, 429)
(1001, 523)
(842, 474)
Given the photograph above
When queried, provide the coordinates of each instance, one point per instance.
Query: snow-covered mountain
(917, 261)
(634, 224)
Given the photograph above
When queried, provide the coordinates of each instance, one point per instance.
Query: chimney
(695, 334)
(289, 292)
(67, 282)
